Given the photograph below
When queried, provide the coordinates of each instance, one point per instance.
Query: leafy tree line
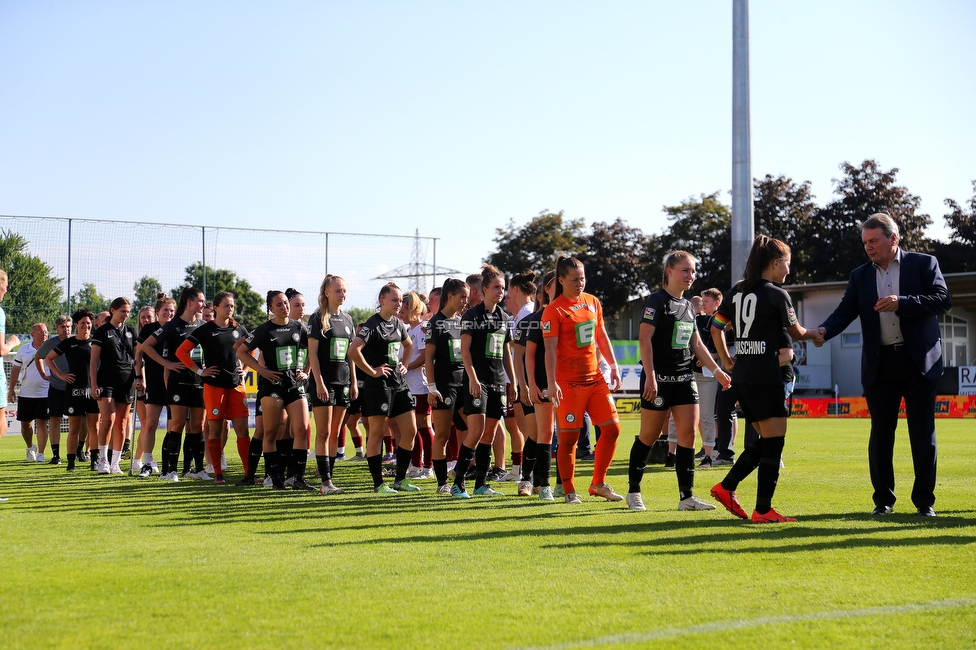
(35, 295)
(249, 305)
(622, 262)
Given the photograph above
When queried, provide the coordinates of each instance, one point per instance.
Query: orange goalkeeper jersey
(576, 324)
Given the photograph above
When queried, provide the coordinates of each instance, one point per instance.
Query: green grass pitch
(111, 561)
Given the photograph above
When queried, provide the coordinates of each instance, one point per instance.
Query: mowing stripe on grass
(672, 632)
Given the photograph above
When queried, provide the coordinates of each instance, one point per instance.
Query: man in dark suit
(897, 296)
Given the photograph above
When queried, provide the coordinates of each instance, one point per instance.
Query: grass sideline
(95, 562)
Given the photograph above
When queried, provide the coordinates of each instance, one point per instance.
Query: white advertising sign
(967, 380)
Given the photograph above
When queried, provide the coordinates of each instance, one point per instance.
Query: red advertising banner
(946, 406)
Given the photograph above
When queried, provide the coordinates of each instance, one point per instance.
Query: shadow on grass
(385, 519)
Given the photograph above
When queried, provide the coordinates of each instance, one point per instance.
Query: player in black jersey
(486, 347)
(445, 372)
(537, 453)
(284, 440)
(184, 389)
(223, 380)
(283, 344)
(330, 332)
(151, 382)
(112, 376)
(545, 415)
(81, 408)
(376, 350)
(146, 317)
(669, 344)
(758, 311)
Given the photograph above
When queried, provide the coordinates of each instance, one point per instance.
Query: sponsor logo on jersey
(649, 313)
(546, 327)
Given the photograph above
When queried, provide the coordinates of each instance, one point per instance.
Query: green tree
(956, 256)
(615, 258)
(536, 244)
(249, 307)
(33, 293)
(786, 211)
(88, 297)
(145, 291)
(833, 242)
(703, 227)
(359, 314)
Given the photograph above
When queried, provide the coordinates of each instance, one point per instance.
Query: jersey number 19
(745, 313)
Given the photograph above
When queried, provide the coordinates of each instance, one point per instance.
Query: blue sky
(452, 118)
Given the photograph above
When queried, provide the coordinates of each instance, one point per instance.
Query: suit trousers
(897, 378)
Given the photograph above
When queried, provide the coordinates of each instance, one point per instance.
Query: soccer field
(112, 561)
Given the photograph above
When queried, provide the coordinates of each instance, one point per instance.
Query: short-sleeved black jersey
(217, 344)
(787, 371)
(171, 336)
(284, 349)
(758, 317)
(521, 337)
(78, 354)
(489, 332)
(153, 371)
(383, 343)
(703, 322)
(116, 357)
(674, 325)
(445, 335)
(533, 332)
(333, 346)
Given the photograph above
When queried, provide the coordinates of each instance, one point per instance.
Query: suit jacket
(923, 297)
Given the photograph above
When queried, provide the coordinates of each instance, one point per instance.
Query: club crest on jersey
(176, 398)
(236, 334)
(476, 402)
(649, 313)
(128, 335)
(274, 396)
(570, 418)
(384, 407)
(658, 401)
(215, 411)
(592, 308)
(447, 401)
(295, 336)
(71, 410)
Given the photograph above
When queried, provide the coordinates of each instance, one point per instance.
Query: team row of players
(468, 361)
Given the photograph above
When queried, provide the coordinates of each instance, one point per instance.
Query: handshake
(817, 336)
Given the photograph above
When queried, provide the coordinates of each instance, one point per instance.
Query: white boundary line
(668, 633)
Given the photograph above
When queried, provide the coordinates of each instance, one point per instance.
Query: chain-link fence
(114, 255)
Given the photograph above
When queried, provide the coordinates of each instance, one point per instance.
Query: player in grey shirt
(56, 386)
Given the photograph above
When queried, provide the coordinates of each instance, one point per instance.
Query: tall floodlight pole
(743, 229)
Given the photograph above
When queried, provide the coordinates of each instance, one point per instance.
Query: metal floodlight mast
(743, 223)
